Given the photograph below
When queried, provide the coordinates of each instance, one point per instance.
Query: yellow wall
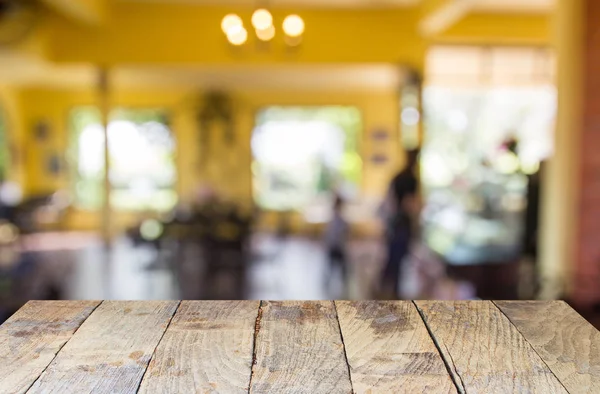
(184, 33)
(168, 33)
(53, 106)
(9, 105)
(230, 166)
(500, 29)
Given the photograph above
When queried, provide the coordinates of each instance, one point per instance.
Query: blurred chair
(214, 239)
(225, 241)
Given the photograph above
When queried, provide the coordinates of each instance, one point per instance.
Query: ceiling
(482, 5)
(515, 5)
(293, 3)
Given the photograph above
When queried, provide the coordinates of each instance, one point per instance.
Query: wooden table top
(298, 347)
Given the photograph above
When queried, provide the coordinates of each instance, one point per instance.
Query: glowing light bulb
(231, 21)
(293, 26)
(266, 34)
(237, 35)
(262, 19)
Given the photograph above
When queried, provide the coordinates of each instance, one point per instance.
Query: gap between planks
(158, 343)
(530, 345)
(337, 319)
(256, 331)
(450, 367)
(257, 326)
(63, 345)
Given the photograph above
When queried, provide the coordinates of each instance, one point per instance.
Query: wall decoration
(41, 130)
(379, 159)
(54, 164)
(215, 109)
(380, 134)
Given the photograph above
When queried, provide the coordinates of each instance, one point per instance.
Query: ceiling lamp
(266, 34)
(293, 26)
(237, 35)
(231, 22)
(262, 19)
(262, 22)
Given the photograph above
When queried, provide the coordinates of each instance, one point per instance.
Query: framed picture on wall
(379, 159)
(41, 130)
(380, 134)
(54, 164)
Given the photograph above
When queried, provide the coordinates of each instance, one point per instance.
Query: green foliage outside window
(304, 153)
(142, 158)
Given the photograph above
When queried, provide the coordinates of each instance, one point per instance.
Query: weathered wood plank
(110, 351)
(486, 351)
(568, 344)
(207, 348)
(299, 350)
(30, 339)
(389, 349)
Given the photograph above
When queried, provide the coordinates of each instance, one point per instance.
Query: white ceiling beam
(444, 16)
(90, 12)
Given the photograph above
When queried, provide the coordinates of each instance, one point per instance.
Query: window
(302, 154)
(489, 124)
(142, 152)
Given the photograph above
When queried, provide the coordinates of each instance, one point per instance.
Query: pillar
(570, 228)
(586, 278)
(104, 101)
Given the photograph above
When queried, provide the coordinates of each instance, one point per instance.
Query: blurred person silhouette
(336, 234)
(532, 213)
(530, 280)
(400, 212)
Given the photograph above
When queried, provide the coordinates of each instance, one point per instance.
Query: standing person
(336, 235)
(400, 216)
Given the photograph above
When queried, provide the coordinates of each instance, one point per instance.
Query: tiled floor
(72, 266)
(76, 267)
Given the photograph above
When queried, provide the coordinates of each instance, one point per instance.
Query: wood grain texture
(485, 350)
(110, 351)
(207, 348)
(568, 344)
(389, 349)
(299, 350)
(32, 337)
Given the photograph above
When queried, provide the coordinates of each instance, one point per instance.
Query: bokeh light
(293, 26)
(410, 116)
(262, 19)
(151, 229)
(266, 34)
(8, 233)
(237, 35)
(230, 23)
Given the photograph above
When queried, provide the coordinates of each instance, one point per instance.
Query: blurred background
(299, 149)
